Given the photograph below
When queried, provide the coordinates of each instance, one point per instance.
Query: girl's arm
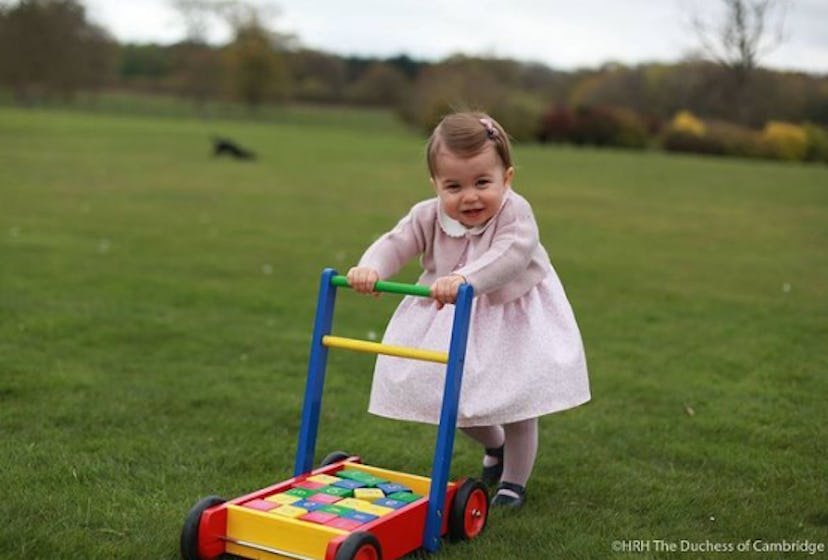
(511, 251)
(388, 254)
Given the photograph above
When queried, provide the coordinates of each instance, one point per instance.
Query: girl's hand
(362, 279)
(444, 289)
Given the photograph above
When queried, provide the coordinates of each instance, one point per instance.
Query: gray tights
(521, 447)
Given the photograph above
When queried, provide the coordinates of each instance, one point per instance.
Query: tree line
(48, 49)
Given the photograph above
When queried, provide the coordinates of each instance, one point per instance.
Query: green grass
(156, 307)
(122, 103)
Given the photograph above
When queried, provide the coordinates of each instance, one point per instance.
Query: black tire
(189, 533)
(469, 511)
(333, 457)
(359, 546)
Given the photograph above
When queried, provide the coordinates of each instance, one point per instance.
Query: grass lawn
(156, 308)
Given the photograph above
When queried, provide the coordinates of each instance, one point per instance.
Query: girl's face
(471, 189)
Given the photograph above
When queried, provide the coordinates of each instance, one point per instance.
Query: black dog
(223, 146)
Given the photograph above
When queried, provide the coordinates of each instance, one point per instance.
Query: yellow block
(368, 494)
(289, 511)
(387, 349)
(297, 537)
(379, 511)
(353, 503)
(284, 499)
(324, 478)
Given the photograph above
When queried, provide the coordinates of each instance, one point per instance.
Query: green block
(352, 474)
(336, 510)
(406, 497)
(373, 480)
(336, 491)
(301, 492)
(360, 476)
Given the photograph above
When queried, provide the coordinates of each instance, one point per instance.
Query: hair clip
(491, 131)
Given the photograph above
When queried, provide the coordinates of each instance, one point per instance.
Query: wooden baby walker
(344, 509)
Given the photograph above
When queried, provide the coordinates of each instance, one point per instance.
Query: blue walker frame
(448, 415)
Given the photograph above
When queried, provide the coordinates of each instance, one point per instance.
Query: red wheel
(189, 533)
(469, 511)
(359, 546)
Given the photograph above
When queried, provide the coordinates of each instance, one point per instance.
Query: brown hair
(466, 134)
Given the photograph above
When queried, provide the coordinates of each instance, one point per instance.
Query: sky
(563, 34)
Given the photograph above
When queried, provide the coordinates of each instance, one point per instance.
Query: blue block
(308, 505)
(359, 516)
(391, 487)
(390, 503)
(349, 484)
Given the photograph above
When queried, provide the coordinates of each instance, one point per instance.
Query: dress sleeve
(388, 254)
(510, 253)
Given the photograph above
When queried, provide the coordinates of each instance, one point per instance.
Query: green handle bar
(389, 287)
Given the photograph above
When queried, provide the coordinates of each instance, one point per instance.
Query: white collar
(453, 228)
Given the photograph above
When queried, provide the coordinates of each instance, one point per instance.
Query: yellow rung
(377, 348)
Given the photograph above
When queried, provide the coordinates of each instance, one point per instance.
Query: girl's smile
(471, 189)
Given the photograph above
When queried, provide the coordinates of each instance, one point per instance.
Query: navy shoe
(502, 499)
(491, 475)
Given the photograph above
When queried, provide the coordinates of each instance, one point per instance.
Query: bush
(679, 141)
(719, 138)
(380, 85)
(737, 140)
(596, 126)
(687, 133)
(817, 143)
(606, 126)
(557, 125)
(653, 125)
(457, 83)
(631, 131)
(785, 141)
(687, 123)
(520, 115)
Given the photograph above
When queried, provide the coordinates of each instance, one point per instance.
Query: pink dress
(525, 357)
